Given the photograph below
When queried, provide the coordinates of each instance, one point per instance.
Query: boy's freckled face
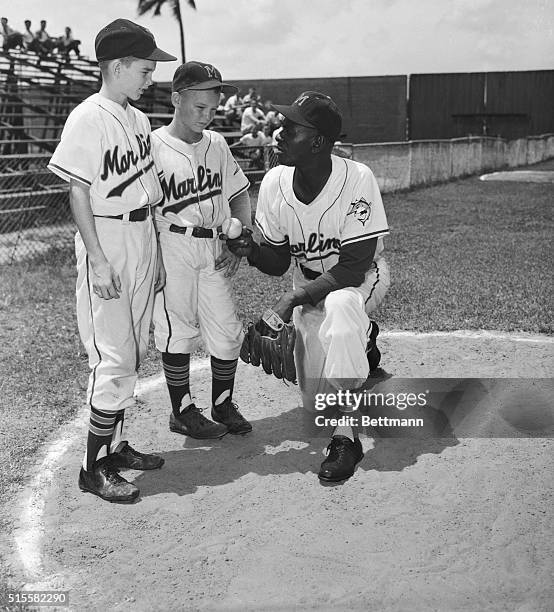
(135, 78)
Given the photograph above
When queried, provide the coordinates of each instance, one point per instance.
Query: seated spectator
(12, 38)
(233, 109)
(253, 143)
(251, 95)
(46, 42)
(270, 115)
(67, 43)
(251, 116)
(267, 134)
(29, 41)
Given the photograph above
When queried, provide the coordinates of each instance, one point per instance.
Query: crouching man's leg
(332, 363)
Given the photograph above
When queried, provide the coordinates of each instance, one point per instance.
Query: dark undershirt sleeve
(354, 262)
(271, 259)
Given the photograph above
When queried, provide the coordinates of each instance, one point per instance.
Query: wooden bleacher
(36, 97)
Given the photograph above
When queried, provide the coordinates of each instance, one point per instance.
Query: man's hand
(285, 306)
(160, 276)
(227, 261)
(288, 301)
(105, 282)
(241, 246)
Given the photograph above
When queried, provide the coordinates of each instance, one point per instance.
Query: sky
(324, 38)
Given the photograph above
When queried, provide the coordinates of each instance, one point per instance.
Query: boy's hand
(105, 282)
(227, 261)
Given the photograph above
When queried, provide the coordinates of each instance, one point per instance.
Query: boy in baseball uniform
(202, 186)
(326, 214)
(105, 155)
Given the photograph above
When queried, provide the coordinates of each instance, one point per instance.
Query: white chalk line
(31, 526)
(472, 335)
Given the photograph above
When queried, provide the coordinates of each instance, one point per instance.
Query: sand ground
(427, 522)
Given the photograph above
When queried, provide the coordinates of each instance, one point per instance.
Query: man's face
(195, 109)
(294, 143)
(135, 78)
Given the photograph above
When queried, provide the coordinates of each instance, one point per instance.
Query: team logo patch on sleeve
(361, 210)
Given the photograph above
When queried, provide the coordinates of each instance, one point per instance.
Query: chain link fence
(34, 208)
(34, 203)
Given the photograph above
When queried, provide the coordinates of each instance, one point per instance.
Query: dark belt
(197, 232)
(309, 274)
(139, 214)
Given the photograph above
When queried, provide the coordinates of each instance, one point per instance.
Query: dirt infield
(242, 523)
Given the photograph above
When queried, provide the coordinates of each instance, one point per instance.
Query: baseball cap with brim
(199, 76)
(123, 38)
(314, 110)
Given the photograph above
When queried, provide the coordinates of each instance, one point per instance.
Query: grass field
(463, 255)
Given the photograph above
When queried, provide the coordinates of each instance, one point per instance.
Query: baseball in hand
(232, 228)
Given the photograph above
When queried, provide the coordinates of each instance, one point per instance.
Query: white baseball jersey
(108, 148)
(198, 180)
(349, 209)
(331, 335)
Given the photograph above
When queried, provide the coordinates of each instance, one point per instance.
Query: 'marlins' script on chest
(205, 180)
(316, 243)
(120, 163)
(191, 190)
(116, 162)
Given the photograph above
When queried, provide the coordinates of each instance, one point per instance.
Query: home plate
(524, 176)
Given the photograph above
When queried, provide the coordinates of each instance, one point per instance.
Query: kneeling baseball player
(203, 187)
(325, 212)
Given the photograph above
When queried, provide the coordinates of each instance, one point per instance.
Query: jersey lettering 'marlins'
(315, 232)
(206, 183)
(107, 148)
(120, 164)
(315, 244)
(199, 180)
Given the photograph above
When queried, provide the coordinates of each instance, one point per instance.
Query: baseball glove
(270, 343)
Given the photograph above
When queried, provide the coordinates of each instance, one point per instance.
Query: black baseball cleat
(372, 352)
(228, 413)
(127, 457)
(106, 483)
(342, 457)
(194, 424)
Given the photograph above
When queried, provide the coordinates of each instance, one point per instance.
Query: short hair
(27, 21)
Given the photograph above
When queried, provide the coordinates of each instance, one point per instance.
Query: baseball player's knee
(342, 300)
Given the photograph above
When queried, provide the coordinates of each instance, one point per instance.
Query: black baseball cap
(315, 110)
(123, 38)
(199, 76)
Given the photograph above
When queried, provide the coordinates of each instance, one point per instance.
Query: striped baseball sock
(117, 436)
(223, 379)
(177, 376)
(100, 431)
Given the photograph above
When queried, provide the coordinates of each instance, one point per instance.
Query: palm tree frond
(155, 7)
(145, 6)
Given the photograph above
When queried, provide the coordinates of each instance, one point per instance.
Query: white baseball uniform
(199, 180)
(108, 148)
(332, 335)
